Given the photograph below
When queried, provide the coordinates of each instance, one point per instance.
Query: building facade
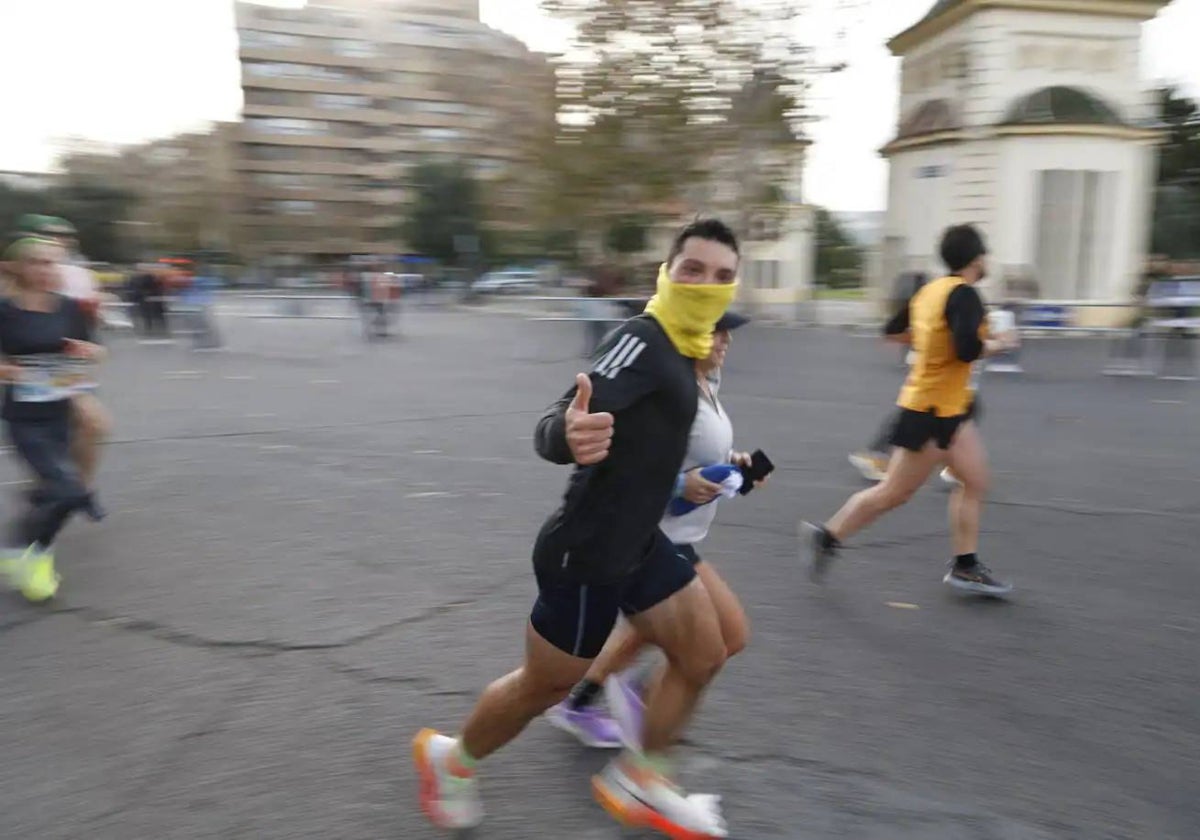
(184, 187)
(1028, 118)
(343, 98)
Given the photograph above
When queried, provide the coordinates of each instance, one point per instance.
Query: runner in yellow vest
(948, 326)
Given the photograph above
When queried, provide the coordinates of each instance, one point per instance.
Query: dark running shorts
(577, 618)
(914, 429)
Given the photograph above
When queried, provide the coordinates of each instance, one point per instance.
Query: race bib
(51, 378)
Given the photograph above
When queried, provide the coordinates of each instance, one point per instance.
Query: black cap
(731, 321)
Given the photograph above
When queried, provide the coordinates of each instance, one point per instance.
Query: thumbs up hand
(589, 436)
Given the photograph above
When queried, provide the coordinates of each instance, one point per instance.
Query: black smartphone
(760, 467)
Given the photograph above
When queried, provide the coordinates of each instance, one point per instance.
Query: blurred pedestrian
(199, 298)
(92, 423)
(47, 347)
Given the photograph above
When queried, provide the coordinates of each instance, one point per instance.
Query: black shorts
(914, 429)
(576, 617)
(688, 553)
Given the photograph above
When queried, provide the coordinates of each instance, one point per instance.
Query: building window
(286, 125)
(270, 40)
(440, 134)
(294, 207)
(351, 48)
(430, 107)
(263, 151)
(341, 101)
(274, 98)
(282, 69)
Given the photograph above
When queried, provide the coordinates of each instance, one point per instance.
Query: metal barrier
(294, 306)
(1141, 341)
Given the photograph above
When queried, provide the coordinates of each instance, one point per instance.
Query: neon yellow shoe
(35, 575)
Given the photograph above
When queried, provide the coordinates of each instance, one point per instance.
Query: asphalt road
(318, 546)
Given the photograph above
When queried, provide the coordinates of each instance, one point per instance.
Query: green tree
(97, 210)
(445, 220)
(839, 256)
(1176, 230)
(627, 235)
(94, 208)
(652, 94)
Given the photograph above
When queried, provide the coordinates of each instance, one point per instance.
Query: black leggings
(45, 446)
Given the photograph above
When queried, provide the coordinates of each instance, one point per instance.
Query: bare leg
(621, 649)
(906, 472)
(508, 705)
(968, 461)
(735, 627)
(626, 643)
(685, 626)
(92, 427)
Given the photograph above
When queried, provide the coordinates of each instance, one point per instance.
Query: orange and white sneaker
(948, 477)
(449, 799)
(644, 799)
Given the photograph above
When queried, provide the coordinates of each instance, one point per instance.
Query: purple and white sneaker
(628, 709)
(592, 726)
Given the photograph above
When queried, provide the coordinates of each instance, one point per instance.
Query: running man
(710, 443)
(626, 428)
(936, 423)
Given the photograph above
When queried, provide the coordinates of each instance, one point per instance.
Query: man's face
(704, 262)
(980, 266)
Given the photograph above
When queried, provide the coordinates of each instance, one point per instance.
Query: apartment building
(184, 187)
(344, 97)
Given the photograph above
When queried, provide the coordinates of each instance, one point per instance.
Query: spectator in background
(377, 293)
(605, 282)
(149, 289)
(199, 296)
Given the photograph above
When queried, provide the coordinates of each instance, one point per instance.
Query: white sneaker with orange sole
(647, 800)
(448, 800)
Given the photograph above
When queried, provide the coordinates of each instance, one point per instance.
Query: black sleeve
(550, 437)
(965, 314)
(627, 367)
(898, 323)
(78, 325)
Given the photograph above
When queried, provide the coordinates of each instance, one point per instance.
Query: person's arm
(550, 436)
(897, 330)
(80, 338)
(625, 371)
(966, 316)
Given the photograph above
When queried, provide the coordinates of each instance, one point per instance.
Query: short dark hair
(961, 245)
(714, 230)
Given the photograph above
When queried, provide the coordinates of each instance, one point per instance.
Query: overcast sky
(131, 70)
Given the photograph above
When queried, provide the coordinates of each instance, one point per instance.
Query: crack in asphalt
(368, 676)
(270, 647)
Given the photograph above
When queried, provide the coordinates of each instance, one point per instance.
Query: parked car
(508, 281)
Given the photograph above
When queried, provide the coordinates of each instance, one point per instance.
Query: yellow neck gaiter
(689, 312)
